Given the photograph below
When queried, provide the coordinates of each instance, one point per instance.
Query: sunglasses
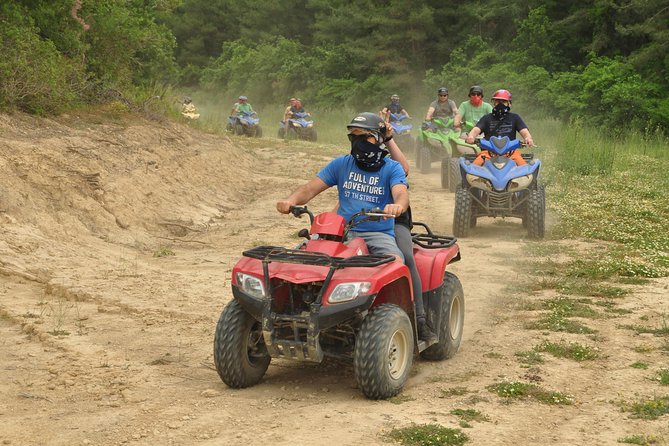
(476, 94)
(443, 95)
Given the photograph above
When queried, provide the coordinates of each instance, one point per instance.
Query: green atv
(450, 167)
(433, 142)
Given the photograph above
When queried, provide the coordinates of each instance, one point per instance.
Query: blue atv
(500, 188)
(300, 126)
(245, 123)
(402, 132)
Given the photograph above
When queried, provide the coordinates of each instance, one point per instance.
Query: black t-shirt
(507, 126)
(395, 108)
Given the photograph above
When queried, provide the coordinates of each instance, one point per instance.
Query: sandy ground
(104, 342)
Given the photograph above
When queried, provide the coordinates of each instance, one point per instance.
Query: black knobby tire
(473, 220)
(455, 177)
(313, 136)
(258, 132)
(239, 129)
(416, 152)
(240, 355)
(452, 320)
(281, 133)
(425, 159)
(383, 352)
(536, 213)
(445, 173)
(462, 215)
(291, 133)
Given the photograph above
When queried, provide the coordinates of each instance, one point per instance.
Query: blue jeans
(378, 243)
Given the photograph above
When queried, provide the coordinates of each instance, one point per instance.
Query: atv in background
(402, 132)
(245, 123)
(500, 188)
(300, 126)
(328, 298)
(450, 165)
(433, 142)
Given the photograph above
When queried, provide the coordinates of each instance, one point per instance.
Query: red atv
(330, 298)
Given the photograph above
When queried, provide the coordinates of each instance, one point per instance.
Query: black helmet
(442, 90)
(369, 121)
(475, 89)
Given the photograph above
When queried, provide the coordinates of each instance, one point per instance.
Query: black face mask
(368, 156)
(500, 110)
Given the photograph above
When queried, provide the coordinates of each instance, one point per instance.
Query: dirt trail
(105, 342)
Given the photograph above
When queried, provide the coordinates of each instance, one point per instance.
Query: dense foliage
(605, 62)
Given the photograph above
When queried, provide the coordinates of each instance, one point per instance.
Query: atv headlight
(251, 285)
(348, 291)
(478, 182)
(521, 182)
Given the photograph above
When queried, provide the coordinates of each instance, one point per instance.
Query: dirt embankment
(107, 337)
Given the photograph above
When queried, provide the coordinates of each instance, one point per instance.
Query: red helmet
(502, 94)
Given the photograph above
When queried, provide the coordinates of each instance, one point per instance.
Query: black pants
(403, 238)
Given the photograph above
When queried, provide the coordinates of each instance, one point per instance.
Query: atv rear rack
(433, 241)
(270, 254)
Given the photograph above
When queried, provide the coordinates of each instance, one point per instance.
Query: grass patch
(643, 440)
(572, 350)
(519, 390)
(663, 377)
(559, 323)
(644, 348)
(399, 399)
(649, 409)
(657, 331)
(639, 365)
(453, 391)
(468, 415)
(529, 358)
(164, 251)
(428, 435)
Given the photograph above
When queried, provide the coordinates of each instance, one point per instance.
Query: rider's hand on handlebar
(283, 206)
(393, 209)
(470, 139)
(529, 142)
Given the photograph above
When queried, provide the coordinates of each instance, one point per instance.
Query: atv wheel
(291, 133)
(383, 352)
(312, 135)
(239, 129)
(425, 159)
(445, 173)
(258, 133)
(281, 133)
(455, 176)
(463, 212)
(536, 213)
(416, 152)
(240, 354)
(452, 320)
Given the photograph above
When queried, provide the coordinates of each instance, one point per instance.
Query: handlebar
(298, 211)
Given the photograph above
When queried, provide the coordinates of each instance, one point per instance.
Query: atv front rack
(270, 254)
